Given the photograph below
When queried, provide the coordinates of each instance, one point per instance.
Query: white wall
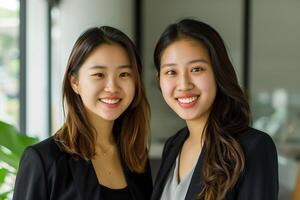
(36, 63)
(275, 47)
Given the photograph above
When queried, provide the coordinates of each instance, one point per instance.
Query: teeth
(110, 101)
(187, 100)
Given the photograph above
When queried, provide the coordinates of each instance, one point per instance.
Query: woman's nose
(111, 85)
(184, 82)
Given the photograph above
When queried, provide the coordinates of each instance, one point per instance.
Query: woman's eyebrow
(124, 66)
(198, 60)
(104, 67)
(167, 65)
(190, 62)
(97, 67)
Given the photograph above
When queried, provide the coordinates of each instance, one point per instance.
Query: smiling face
(187, 80)
(105, 82)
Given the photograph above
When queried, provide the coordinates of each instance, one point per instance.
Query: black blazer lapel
(196, 185)
(139, 184)
(167, 162)
(84, 178)
(130, 183)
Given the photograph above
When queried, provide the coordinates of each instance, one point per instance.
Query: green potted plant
(12, 145)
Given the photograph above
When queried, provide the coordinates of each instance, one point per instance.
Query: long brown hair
(131, 129)
(230, 114)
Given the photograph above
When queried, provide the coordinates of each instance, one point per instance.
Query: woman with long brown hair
(217, 156)
(101, 151)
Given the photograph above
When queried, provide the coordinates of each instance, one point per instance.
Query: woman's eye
(197, 69)
(99, 75)
(170, 72)
(124, 74)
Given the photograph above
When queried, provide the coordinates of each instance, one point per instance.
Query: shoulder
(259, 179)
(257, 143)
(47, 151)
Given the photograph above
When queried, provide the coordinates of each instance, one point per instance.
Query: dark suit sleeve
(30, 181)
(149, 182)
(260, 178)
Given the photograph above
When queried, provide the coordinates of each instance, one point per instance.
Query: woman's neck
(103, 128)
(196, 129)
(104, 133)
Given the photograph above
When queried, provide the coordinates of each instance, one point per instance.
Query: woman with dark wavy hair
(217, 156)
(101, 151)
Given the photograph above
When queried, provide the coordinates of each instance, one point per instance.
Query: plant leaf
(3, 196)
(13, 140)
(3, 173)
(10, 159)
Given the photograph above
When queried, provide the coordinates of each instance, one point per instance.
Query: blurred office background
(262, 37)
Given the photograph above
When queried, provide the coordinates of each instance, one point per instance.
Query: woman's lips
(110, 102)
(187, 101)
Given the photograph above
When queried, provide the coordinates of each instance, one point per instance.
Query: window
(9, 61)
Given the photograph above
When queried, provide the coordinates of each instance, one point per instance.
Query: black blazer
(46, 172)
(259, 180)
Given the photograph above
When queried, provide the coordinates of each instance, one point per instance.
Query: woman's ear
(74, 84)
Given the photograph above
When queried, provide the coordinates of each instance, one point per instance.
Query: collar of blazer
(172, 148)
(85, 178)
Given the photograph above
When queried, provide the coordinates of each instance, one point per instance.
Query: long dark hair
(230, 114)
(77, 135)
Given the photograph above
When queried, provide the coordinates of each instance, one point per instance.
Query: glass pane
(9, 81)
(9, 61)
(275, 82)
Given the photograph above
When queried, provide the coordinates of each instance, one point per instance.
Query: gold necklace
(105, 151)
